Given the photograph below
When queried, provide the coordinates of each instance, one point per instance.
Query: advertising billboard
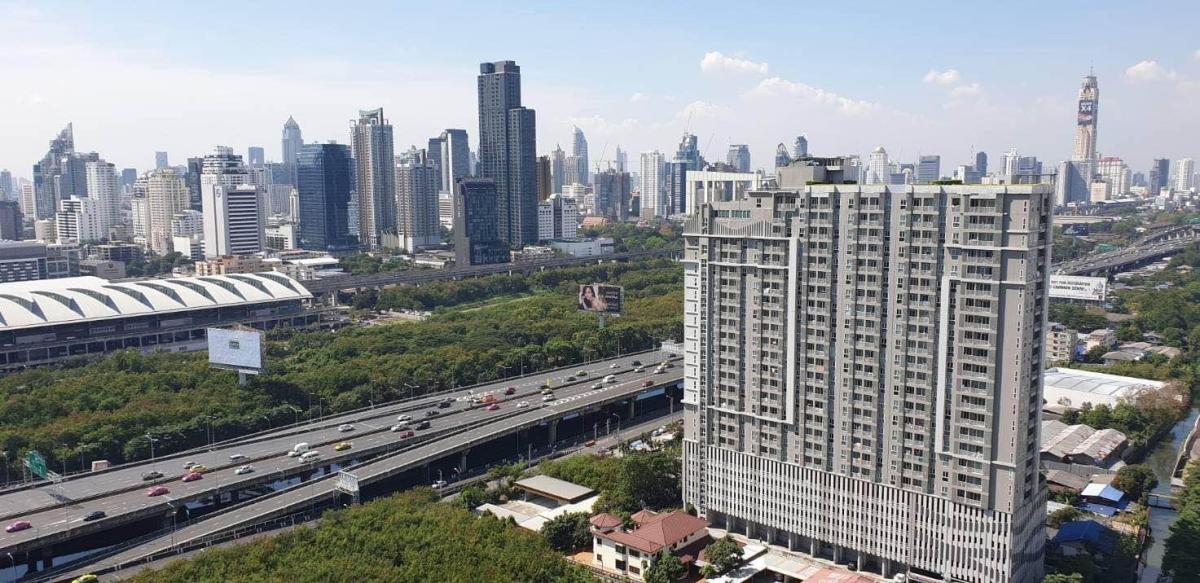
(600, 298)
(237, 349)
(1076, 287)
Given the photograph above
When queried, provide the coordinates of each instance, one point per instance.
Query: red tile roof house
(631, 552)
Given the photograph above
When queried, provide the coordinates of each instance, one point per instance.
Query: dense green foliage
(408, 537)
(568, 532)
(1147, 415)
(156, 264)
(1182, 557)
(104, 409)
(626, 484)
(1060, 578)
(1135, 480)
(368, 264)
(667, 568)
(1076, 317)
(628, 237)
(1063, 515)
(723, 554)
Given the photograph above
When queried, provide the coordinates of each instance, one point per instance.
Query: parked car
(404, 418)
(235, 457)
(94, 515)
(192, 476)
(343, 446)
(244, 470)
(18, 526)
(510, 391)
(345, 427)
(158, 491)
(151, 475)
(493, 407)
(522, 404)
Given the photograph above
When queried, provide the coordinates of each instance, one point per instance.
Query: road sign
(347, 482)
(37, 465)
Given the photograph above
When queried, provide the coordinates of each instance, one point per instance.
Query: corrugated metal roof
(31, 304)
(1095, 382)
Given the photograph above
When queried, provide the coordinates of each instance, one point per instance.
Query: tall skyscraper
(545, 179)
(161, 160)
(782, 158)
(375, 166)
(651, 183)
(981, 163)
(48, 172)
(558, 160)
(622, 160)
(232, 206)
(293, 140)
(611, 195)
(880, 404)
(255, 156)
(11, 223)
(417, 183)
(879, 169)
(929, 169)
(558, 219)
(1085, 125)
(507, 154)
(324, 180)
(1185, 171)
(165, 195)
(476, 237)
(579, 149)
(739, 157)
(1159, 175)
(7, 188)
(800, 148)
(101, 178)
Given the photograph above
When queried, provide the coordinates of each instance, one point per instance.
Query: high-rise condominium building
(47, 174)
(1159, 176)
(545, 179)
(78, 220)
(7, 188)
(739, 157)
(1185, 174)
(981, 163)
(417, 182)
(507, 150)
(558, 160)
(161, 160)
(800, 147)
(376, 172)
(929, 169)
(879, 169)
(101, 178)
(782, 158)
(611, 195)
(11, 224)
(476, 238)
(1116, 172)
(862, 374)
(579, 149)
(558, 219)
(165, 197)
(651, 183)
(324, 179)
(621, 160)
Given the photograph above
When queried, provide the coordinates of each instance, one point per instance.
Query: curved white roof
(28, 304)
(1095, 382)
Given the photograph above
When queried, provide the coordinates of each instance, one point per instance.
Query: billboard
(600, 298)
(1075, 287)
(239, 349)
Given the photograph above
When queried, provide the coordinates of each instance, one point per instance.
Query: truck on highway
(298, 449)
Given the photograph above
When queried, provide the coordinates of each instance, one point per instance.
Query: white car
(404, 418)
(639, 369)
(522, 404)
(613, 365)
(244, 470)
(400, 427)
(235, 457)
(439, 484)
(345, 427)
(547, 398)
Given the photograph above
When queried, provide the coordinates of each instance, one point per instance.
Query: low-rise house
(1125, 355)
(1062, 343)
(1082, 444)
(1100, 337)
(630, 553)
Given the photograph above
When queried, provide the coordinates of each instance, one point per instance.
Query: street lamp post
(11, 558)
(268, 420)
(295, 414)
(5, 453)
(151, 439)
(618, 426)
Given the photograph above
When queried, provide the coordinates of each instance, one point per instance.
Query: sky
(924, 77)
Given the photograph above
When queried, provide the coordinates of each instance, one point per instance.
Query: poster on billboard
(240, 349)
(600, 298)
(1075, 287)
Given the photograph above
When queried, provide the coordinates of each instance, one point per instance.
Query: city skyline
(726, 91)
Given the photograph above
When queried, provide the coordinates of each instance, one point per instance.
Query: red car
(17, 526)
(493, 407)
(648, 383)
(193, 476)
(510, 391)
(407, 434)
(158, 491)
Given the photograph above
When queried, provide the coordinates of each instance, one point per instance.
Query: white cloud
(701, 109)
(1149, 70)
(967, 90)
(774, 86)
(1196, 55)
(715, 62)
(638, 97)
(947, 77)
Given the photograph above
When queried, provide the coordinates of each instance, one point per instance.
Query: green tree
(723, 554)
(1063, 515)
(1136, 480)
(1061, 578)
(667, 568)
(568, 532)
(1182, 557)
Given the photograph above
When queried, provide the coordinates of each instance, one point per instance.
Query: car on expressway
(639, 369)
(636, 363)
(407, 434)
(423, 425)
(522, 404)
(88, 578)
(434, 412)
(439, 484)
(547, 398)
(193, 476)
(345, 427)
(493, 407)
(404, 418)
(94, 515)
(648, 383)
(569, 379)
(443, 405)
(18, 526)
(244, 470)
(510, 391)
(597, 386)
(610, 379)
(581, 373)
(343, 446)
(236, 457)
(158, 491)
(399, 426)
(151, 475)
(614, 365)
(198, 469)
(188, 465)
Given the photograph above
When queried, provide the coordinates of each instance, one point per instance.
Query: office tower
(1070, 185)
(1185, 169)
(293, 140)
(1139, 180)
(1085, 125)
(372, 148)
(78, 220)
(675, 183)
(324, 181)
(650, 182)
(622, 160)
(47, 172)
(1116, 173)
(579, 149)
(611, 195)
(161, 160)
(781, 156)
(981, 163)
(880, 403)
(165, 196)
(545, 181)
(739, 157)
(11, 225)
(800, 148)
(689, 152)
(558, 160)
(417, 183)
(101, 180)
(878, 168)
(476, 236)
(195, 167)
(255, 156)
(506, 150)
(452, 156)
(128, 177)
(929, 169)
(558, 219)
(233, 220)
(186, 223)
(7, 188)
(1159, 175)
(28, 199)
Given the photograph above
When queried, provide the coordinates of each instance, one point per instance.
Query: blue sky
(919, 77)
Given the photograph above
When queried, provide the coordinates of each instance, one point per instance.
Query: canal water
(1162, 461)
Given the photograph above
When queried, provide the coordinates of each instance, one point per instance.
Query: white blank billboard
(240, 350)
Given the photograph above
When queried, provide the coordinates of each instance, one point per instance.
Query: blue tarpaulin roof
(1100, 509)
(1087, 531)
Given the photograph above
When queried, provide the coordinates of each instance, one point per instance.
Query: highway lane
(55, 521)
(87, 486)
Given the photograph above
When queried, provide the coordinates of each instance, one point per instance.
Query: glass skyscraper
(323, 173)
